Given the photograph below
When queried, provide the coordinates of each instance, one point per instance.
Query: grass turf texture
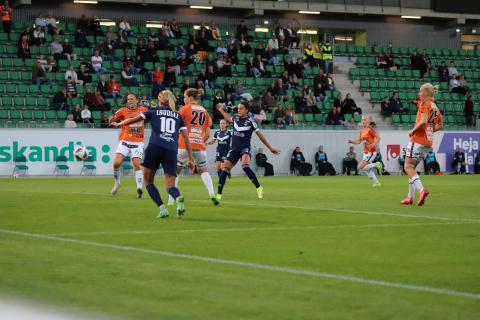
(334, 225)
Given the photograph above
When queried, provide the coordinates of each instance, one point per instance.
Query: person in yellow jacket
(308, 55)
(327, 56)
(317, 54)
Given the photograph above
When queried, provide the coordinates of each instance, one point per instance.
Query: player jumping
(131, 143)
(370, 139)
(162, 149)
(223, 138)
(243, 127)
(428, 121)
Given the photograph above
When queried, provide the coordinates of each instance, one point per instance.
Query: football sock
(116, 175)
(371, 174)
(170, 198)
(154, 194)
(174, 192)
(207, 181)
(411, 188)
(416, 181)
(219, 172)
(139, 178)
(251, 175)
(222, 180)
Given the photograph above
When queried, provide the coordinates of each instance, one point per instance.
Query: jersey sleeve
(181, 124)
(215, 135)
(254, 125)
(119, 114)
(147, 115)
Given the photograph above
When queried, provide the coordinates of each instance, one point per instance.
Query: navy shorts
(156, 156)
(220, 156)
(234, 155)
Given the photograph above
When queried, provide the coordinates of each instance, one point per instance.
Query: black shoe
(139, 193)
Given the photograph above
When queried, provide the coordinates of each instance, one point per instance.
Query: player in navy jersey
(162, 149)
(223, 137)
(243, 126)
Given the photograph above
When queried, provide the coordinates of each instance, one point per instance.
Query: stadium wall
(41, 146)
(379, 29)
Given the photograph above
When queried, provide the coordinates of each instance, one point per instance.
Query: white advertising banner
(42, 146)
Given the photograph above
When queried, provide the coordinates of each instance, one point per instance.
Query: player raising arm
(243, 127)
(162, 149)
(223, 138)
(428, 121)
(370, 138)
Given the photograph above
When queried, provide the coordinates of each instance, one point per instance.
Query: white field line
(226, 230)
(251, 265)
(258, 204)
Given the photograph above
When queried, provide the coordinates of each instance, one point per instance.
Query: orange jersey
(198, 121)
(133, 132)
(367, 135)
(424, 135)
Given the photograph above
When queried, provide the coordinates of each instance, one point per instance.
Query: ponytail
(166, 96)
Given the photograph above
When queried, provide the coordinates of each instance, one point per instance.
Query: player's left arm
(421, 123)
(127, 121)
(266, 143)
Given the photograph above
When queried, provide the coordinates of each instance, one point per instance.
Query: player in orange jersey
(198, 123)
(131, 143)
(370, 138)
(428, 121)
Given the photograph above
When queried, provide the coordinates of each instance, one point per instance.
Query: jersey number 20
(167, 125)
(198, 118)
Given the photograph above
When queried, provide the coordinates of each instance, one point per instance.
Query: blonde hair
(430, 89)
(168, 96)
(368, 118)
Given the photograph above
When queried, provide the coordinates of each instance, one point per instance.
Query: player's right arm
(127, 121)
(117, 116)
(225, 115)
(184, 133)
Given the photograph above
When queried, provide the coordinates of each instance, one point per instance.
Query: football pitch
(313, 248)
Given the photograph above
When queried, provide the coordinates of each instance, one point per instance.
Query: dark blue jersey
(223, 137)
(166, 125)
(242, 131)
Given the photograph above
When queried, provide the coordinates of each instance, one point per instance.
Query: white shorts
(369, 156)
(417, 151)
(199, 158)
(132, 149)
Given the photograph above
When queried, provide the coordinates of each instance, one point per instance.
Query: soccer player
(223, 137)
(428, 121)
(198, 124)
(370, 139)
(131, 143)
(162, 149)
(243, 126)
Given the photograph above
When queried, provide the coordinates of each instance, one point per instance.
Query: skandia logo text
(44, 153)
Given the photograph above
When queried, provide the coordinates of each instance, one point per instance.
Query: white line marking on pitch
(251, 265)
(374, 213)
(384, 225)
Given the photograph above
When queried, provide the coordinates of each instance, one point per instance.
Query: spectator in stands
(167, 27)
(443, 74)
(24, 48)
(334, 117)
(183, 63)
(71, 74)
(426, 60)
(311, 101)
(458, 162)
(128, 78)
(170, 79)
(96, 61)
(221, 49)
(319, 92)
(104, 122)
(431, 164)
(250, 69)
(81, 39)
(39, 75)
(385, 108)
(380, 61)
(124, 27)
(40, 21)
(123, 42)
(77, 113)
(262, 161)
(102, 86)
(270, 56)
(69, 123)
(260, 66)
(456, 87)
(43, 63)
(273, 43)
(68, 50)
(452, 70)
(51, 23)
(6, 12)
(39, 36)
(175, 29)
(291, 116)
(289, 66)
(327, 56)
(242, 30)
(60, 101)
(83, 23)
(244, 47)
(298, 164)
(259, 50)
(395, 105)
(308, 55)
(350, 162)
(463, 84)
(215, 31)
(56, 49)
(330, 83)
(84, 74)
(349, 106)
(417, 63)
(300, 103)
(211, 81)
(157, 87)
(112, 36)
(71, 88)
(469, 117)
(279, 116)
(300, 69)
(323, 166)
(269, 101)
(390, 60)
(86, 115)
(94, 27)
(52, 64)
(113, 88)
(228, 87)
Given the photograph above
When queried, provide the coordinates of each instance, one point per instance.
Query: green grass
(330, 225)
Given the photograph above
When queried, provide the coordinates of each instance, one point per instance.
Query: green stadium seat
(405, 118)
(19, 101)
(319, 118)
(3, 114)
(300, 117)
(395, 119)
(27, 115)
(7, 102)
(50, 115)
(61, 115)
(39, 115)
(357, 117)
(309, 117)
(15, 115)
(42, 102)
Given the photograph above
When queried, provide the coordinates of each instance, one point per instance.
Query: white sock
(411, 188)
(371, 174)
(207, 181)
(139, 179)
(370, 166)
(170, 198)
(116, 175)
(416, 181)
